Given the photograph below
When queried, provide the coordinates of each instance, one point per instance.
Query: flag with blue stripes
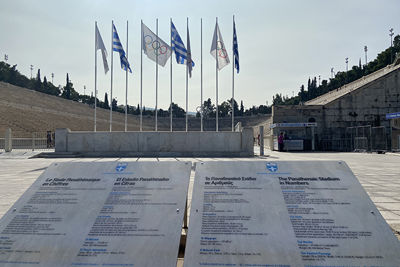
(117, 47)
(178, 47)
(235, 48)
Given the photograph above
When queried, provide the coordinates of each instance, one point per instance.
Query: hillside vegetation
(341, 78)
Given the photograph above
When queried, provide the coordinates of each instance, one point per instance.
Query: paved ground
(378, 174)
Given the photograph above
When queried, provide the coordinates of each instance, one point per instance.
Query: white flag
(155, 48)
(218, 49)
(100, 45)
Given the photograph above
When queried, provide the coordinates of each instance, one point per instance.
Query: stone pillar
(271, 142)
(61, 140)
(261, 131)
(313, 138)
(8, 140)
(247, 141)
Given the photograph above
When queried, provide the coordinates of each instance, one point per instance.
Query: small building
(297, 136)
(349, 118)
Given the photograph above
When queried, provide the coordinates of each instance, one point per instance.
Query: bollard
(185, 216)
(261, 140)
(8, 140)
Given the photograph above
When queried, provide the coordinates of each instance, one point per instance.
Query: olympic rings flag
(155, 48)
(218, 49)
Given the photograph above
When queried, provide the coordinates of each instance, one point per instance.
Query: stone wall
(177, 144)
(366, 106)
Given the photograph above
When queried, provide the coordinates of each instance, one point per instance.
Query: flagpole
(141, 74)
(156, 129)
(216, 76)
(187, 77)
(233, 80)
(126, 81)
(112, 37)
(95, 74)
(201, 74)
(170, 105)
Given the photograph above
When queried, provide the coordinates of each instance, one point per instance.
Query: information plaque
(285, 213)
(98, 214)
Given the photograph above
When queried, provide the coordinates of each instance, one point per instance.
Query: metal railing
(335, 144)
(37, 141)
(379, 139)
(357, 138)
(360, 137)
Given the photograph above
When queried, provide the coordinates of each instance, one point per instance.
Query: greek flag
(117, 47)
(235, 48)
(178, 47)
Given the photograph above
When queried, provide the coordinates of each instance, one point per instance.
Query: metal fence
(367, 138)
(379, 139)
(335, 144)
(38, 141)
(359, 139)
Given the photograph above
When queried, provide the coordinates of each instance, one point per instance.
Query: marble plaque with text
(285, 213)
(98, 214)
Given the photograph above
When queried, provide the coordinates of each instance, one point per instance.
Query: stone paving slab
(379, 174)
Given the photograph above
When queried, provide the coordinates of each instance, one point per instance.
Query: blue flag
(117, 47)
(235, 48)
(178, 47)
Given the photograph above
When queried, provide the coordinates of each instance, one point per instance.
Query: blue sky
(281, 43)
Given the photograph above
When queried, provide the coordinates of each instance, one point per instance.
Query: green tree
(241, 113)
(177, 111)
(114, 104)
(302, 94)
(38, 82)
(208, 108)
(67, 89)
(106, 105)
(278, 100)
(235, 106)
(224, 109)
(45, 85)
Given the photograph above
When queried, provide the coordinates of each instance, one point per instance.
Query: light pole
(332, 73)
(319, 80)
(31, 70)
(6, 58)
(52, 78)
(391, 45)
(347, 63)
(366, 50)
(84, 90)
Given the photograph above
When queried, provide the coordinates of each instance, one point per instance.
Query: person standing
(280, 142)
(48, 139)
